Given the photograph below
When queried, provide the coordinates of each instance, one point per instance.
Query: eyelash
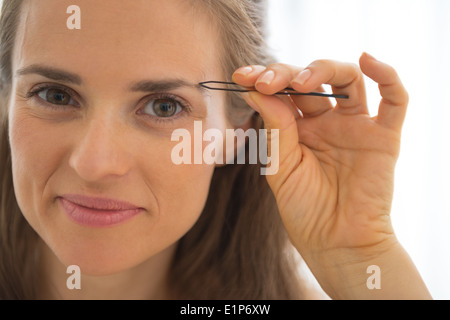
(35, 93)
(146, 100)
(164, 95)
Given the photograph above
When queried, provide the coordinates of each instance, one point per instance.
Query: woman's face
(91, 116)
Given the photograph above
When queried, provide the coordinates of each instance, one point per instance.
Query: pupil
(164, 108)
(57, 96)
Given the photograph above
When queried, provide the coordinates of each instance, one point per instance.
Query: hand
(334, 185)
(335, 182)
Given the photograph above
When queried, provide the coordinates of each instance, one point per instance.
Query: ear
(230, 150)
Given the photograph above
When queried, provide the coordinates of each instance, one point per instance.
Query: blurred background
(414, 37)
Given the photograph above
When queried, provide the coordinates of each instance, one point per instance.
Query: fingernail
(370, 56)
(302, 77)
(245, 71)
(267, 77)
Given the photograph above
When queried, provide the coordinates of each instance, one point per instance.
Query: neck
(146, 281)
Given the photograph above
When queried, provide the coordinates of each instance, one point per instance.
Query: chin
(102, 256)
(95, 262)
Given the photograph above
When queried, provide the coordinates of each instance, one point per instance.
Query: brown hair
(238, 248)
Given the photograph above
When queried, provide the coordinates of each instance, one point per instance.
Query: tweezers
(287, 91)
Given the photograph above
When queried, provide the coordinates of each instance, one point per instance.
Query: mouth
(97, 212)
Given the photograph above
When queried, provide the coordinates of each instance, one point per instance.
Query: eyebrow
(50, 73)
(164, 85)
(140, 86)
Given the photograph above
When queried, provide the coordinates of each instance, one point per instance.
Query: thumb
(278, 120)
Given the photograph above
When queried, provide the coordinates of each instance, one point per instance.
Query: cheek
(34, 158)
(181, 194)
(180, 190)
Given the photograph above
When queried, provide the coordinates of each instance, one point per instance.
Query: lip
(97, 212)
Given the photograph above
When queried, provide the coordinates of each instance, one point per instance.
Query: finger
(344, 78)
(276, 114)
(275, 78)
(267, 80)
(292, 105)
(286, 99)
(247, 76)
(312, 106)
(394, 102)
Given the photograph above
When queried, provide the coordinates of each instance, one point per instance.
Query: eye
(163, 107)
(55, 96)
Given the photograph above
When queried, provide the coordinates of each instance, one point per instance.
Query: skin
(103, 144)
(335, 183)
(333, 187)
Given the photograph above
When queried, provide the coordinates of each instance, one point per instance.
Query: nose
(101, 151)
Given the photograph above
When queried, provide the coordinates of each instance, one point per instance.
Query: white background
(414, 37)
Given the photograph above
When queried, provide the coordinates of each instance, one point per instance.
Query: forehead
(118, 39)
